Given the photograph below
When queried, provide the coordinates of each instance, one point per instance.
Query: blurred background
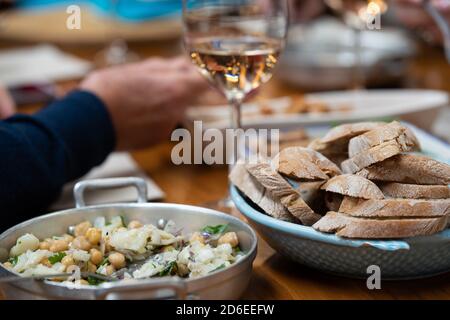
(327, 50)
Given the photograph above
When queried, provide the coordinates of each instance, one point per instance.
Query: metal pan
(228, 283)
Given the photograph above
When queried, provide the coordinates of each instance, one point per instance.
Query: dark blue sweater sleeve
(41, 152)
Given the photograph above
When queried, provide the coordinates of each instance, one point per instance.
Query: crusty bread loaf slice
(352, 227)
(304, 164)
(353, 186)
(336, 140)
(373, 155)
(395, 208)
(381, 134)
(409, 168)
(282, 190)
(258, 194)
(414, 191)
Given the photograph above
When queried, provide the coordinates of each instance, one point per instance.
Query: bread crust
(258, 194)
(409, 168)
(379, 135)
(353, 186)
(304, 164)
(395, 208)
(352, 227)
(282, 190)
(373, 155)
(414, 191)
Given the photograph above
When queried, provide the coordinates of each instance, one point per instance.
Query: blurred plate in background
(321, 56)
(417, 106)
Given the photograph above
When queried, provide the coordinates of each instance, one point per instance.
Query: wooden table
(275, 277)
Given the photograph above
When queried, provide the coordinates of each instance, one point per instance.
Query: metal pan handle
(146, 289)
(138, 183)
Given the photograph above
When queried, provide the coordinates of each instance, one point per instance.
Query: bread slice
(395, 208)
(351, 227)
(379, 135)
(304, 164)
(414, 191)
(258, 194)
(282, 190)
(409, 168)
(336, 140)
(353, 186)
(376, 154)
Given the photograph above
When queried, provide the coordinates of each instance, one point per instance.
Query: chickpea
(82, 282)
(122, 229)
(59, 245)
(182, 269)
(46, 262)
(81, 228)
(134, 224)
(91, 267)
(94, 235)
(44, 245)
(96, 256)
(109, 270)
(108, 246)
(117, 260)
(68, 261)
(8, 265)
(229, 237)
(68, 238)
(196, 236)
(81, 243)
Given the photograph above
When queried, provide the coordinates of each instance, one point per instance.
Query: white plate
(365, 105)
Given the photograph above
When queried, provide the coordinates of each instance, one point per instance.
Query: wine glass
(356, 14)
(236, 45)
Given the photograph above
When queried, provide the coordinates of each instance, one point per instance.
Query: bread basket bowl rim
(306, 232)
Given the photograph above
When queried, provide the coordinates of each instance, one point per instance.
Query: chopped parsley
(57, 257)
(220, 228)
(104, 261)
(123, 221)
(13, 260)
(169, 269)
(93, 281)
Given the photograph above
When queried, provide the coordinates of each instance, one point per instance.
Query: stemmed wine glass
(236, 45)
(356, 15)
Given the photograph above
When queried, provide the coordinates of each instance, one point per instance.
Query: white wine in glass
(235, 44)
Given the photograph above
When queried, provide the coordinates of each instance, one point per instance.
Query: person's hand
(413, 16)
(7, 106)
(146, 100)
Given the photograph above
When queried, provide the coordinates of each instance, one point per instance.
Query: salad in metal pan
(123, 251)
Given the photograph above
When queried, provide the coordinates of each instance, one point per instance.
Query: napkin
(119, 164)
(39, 64)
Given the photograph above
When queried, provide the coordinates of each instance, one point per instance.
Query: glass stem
(358, 74)
(235, 125)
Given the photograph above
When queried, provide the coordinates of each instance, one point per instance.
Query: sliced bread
(352, 227)
(381, 134)
(282, 190)
(353, 186)
(409, 168)
(258, 194)
(304, 164)
(373, 155)
(414, 191)
(395, 208)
